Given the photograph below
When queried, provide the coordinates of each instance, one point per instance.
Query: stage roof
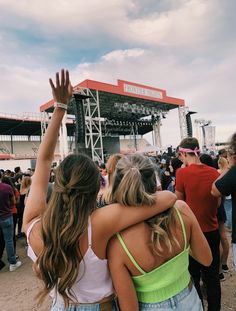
(11, 124)
(116, 122)
(19, 125)
(125, 92)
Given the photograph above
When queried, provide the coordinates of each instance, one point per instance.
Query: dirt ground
(18, 288)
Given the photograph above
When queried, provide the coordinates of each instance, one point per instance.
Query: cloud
(23, 89)
(207, 89)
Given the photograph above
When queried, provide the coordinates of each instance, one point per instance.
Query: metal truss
(182, 121)
(93, 133)
(44, 122)
(157, 133)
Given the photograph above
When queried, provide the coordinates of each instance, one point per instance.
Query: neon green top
(166, 280)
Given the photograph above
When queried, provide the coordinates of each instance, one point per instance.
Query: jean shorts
(108, 306)
(186, 300)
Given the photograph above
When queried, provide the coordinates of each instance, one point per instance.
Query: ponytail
(160, 230)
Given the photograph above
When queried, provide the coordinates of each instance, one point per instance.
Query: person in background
(149, 261)
(222, 153)
(7, 200)
(18, 176)
(9, 182)
(24, 190)
(7, 173)
(223, 165)
(166, 179)
(175, 164)
(193, 185)
(226, 185)
(221, 216)
(156, 168)
(67, 238)
(105, 197)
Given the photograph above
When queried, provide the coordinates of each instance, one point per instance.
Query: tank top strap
(182, 225)
(89, 232)
(129, 254)
(30, 228)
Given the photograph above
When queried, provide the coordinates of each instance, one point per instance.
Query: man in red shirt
(193, 185)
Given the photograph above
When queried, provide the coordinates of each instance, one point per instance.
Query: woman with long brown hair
(149, 261)
(68, 238)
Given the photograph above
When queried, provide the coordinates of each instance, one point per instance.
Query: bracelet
(60, 105)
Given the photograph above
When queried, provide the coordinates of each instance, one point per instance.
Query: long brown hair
(135, 184)
(63, 224)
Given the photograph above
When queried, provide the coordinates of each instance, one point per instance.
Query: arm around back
(114, 218)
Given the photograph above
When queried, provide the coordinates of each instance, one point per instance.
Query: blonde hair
(135, 184)
(111, 168)
(222, 163)
(64, 223)
(25, 184)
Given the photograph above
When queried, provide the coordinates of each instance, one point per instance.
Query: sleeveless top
(164, 281)
(93, 282)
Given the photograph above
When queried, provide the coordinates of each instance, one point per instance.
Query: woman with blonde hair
(24, 190)
(68, 238)
(105, 197)
(149, 261)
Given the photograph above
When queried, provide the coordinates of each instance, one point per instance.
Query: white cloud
(23, 90)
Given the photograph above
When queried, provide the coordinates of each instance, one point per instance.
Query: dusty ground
(18, 288)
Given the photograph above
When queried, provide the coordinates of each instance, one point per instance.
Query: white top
(93, 282)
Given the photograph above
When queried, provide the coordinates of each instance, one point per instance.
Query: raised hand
(62, 92)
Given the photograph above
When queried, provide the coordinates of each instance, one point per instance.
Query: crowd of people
(136, 233)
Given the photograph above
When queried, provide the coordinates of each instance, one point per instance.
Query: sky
(186, 47)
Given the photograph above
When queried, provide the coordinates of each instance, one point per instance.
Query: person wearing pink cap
(193, 185)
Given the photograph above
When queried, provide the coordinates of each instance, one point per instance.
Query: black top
(226, 186)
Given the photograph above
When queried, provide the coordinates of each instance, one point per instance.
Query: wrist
(60, 105)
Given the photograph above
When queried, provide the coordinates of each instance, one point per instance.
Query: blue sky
(187, 47)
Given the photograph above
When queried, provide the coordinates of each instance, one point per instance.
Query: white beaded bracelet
(60, 105)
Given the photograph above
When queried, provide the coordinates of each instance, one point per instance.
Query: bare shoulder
(165, 194)
(184, 210)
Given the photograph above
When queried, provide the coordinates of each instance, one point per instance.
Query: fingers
(67, 78)
(62, 77)
(62, 89)
(57, 80)
(52, 85)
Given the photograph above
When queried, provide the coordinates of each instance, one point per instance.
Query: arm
(114, 218)
(121, 279)
(199, 247)
(214, 190)
(180, 195)
(36, 202)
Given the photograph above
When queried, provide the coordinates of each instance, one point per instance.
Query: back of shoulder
(184, 209)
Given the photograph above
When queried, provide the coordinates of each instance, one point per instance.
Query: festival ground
(19, 288)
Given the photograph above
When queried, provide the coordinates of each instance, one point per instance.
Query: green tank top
(166, 280)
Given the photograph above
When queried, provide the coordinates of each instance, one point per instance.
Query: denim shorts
(86, 307)
(186, 300)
